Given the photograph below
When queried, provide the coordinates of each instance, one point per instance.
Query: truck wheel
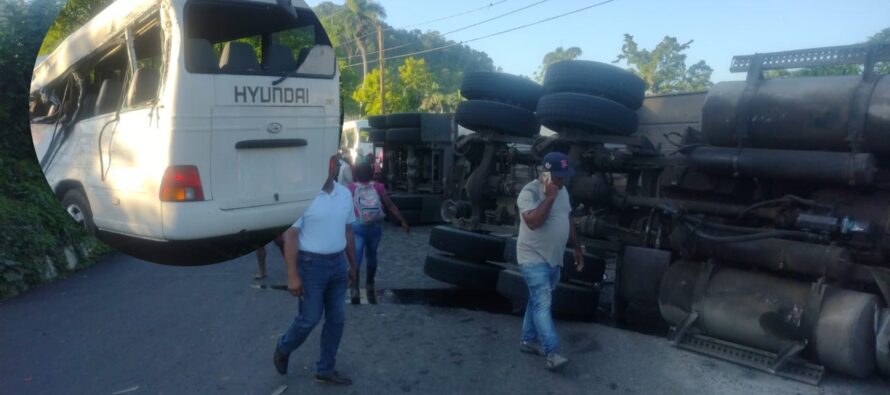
(377, 121)
(78, 207)
(501, 87)
(376, 136)
(403, 120)
(464, 274)
(503, 118)
(594, 266)
(403, 135)
(467, 245)
(561, 111)
(569, 300)
(597, 79)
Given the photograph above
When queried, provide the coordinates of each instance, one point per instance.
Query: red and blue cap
(558, 165)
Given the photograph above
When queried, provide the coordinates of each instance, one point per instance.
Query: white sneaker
(556, 361)
(531, 348)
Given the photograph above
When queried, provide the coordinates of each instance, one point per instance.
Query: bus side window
(107, 77)
(143, 89)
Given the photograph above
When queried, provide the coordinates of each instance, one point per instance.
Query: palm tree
(557, 55)
(363, 15)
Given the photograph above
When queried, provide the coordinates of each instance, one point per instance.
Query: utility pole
(380, 62)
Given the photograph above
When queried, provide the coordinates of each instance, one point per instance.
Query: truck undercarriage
(754, 218)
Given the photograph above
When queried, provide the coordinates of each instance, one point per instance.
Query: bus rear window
(248, 38)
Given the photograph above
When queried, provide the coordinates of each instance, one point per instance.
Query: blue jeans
(367, 238)
(537, 326)
(324, 293)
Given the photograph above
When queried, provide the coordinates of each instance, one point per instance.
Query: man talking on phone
(546, 226)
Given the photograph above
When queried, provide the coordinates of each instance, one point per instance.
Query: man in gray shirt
(546, 226)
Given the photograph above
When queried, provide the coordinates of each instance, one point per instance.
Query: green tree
(447, 65)
(368, 94)
(34, 230)
(363, 17)
(416, 85)
(557, 55)
(73, 15)
(664, 67)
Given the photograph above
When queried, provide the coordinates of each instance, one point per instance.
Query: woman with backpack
(369, 199)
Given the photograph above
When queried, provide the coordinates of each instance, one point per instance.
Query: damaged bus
(188, 131)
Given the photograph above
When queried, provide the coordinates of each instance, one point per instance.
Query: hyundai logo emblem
(274, 127)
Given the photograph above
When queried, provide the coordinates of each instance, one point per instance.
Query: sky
(719, 29)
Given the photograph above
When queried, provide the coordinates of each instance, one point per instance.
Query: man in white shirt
(316, 250)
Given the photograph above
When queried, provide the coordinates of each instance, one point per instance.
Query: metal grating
(794, 369)
(827, 56)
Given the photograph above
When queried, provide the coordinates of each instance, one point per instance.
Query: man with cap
(546, 226)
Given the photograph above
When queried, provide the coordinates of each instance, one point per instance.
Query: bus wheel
(78, 207)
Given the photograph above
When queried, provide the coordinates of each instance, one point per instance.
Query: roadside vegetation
(38, 242)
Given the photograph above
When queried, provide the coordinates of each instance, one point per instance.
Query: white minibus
(195, 124)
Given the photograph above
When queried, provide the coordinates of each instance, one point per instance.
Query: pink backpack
(367, 202)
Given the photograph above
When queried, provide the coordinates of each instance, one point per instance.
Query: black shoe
(332, 378)
(280, 360)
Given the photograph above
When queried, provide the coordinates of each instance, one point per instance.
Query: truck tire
(569, 300)
(594, 266)
(561, 111)
(376, 136)
(467, 245)
(77, 205)
(377, 121)
(597, 79)
(461, 273)
(501, 87)
(403, 135)
(403, 120)
(503, 118)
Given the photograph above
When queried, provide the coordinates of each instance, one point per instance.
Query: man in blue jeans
(316, 250)
(546, 226)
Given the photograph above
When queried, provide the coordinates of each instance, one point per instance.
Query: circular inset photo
(185, 132)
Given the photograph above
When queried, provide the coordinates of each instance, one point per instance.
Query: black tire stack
(400, 129)
(377, 134)
(592, 97)
(403, 128)
(466, 259)
(499, 103)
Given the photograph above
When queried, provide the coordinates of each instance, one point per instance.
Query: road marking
(131, 389)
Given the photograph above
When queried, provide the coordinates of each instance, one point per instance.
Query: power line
(493, 34)
(465, 27)
(455, 15)
(487, 6)
(496, 17)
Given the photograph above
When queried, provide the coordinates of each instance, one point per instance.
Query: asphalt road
(128, 326)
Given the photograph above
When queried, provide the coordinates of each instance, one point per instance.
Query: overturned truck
(753, 219)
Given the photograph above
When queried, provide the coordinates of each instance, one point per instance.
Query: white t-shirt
(323, 225)
(547, 243)
(344, 177)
